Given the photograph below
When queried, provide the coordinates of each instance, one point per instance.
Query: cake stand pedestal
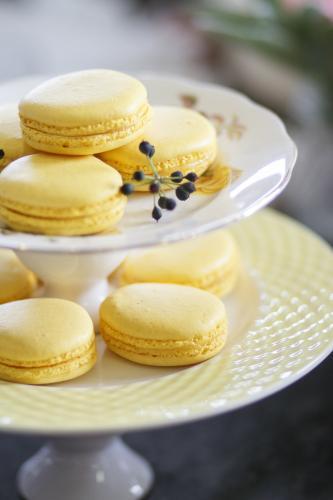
(81, 277)
(269, 347)
(99, 468)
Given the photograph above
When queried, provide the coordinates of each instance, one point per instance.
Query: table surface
(278, 449)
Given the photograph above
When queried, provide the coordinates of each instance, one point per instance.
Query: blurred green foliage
(302, 38)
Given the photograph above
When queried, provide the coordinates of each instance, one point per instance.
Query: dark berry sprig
(2, 154)
(183, 184)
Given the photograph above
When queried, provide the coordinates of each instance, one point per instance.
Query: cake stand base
(85, 469)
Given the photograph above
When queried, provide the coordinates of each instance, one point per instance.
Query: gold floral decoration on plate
(233, 126)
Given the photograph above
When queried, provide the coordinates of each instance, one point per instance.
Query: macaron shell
(84, 99)
(158, 311)
(45, 340)
(184, 140)
(59, 182)
(210, 262)
(162, 324)
(11, 140)
(35, 331)
(51, 194)
(84, 112)
(16, 281)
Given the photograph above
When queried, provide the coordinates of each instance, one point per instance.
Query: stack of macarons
(62, 123)
(65, 153)
(64, 189)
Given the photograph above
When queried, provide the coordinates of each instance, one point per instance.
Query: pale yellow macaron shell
(184, 140)
(210, 262)
(11, 140)
(45, 341)
(163, 324)
(84, 112)
(16, 281)
(53, 194)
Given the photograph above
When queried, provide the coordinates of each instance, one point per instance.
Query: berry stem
(153, 168)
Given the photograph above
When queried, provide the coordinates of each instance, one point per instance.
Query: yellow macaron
(11, 141)
(163, 324)
(16, 281)
(210, 262)
(60, 195)
(43, 341)
(184, 141)
(85, 112)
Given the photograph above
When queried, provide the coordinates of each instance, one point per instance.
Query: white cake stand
(279, 312)
(251, 138)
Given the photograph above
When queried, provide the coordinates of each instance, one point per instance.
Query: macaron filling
(69, 144)
(52, 370)
(195, 161)
(128, 123)
(58, 223)
(168, 349)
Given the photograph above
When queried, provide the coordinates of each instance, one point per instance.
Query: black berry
(182, 194)
(147, 149)
(127, 188)
(191, 176)
(177, 176)
(138, 176)
(154, 187)
(162, 202)
(170, 204)
(189, 187)
(156, 213)
(2, 154)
